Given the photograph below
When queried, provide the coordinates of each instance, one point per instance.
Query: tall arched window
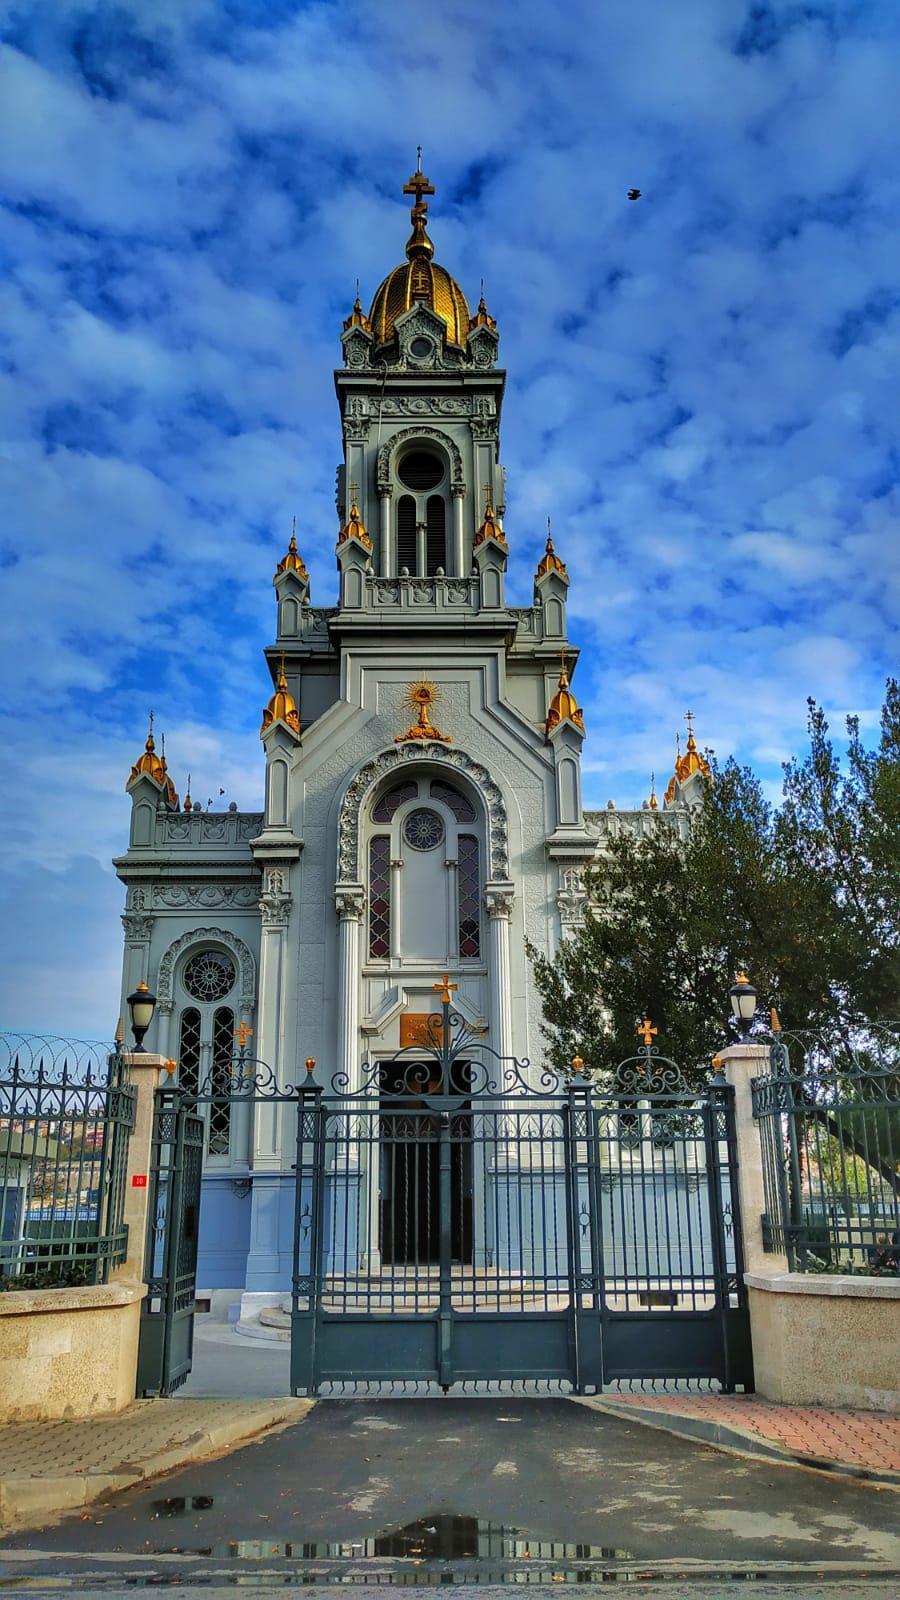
(425, 876)
(206, 1040)
(422, 511)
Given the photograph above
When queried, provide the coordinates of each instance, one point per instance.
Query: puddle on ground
(442, 1537)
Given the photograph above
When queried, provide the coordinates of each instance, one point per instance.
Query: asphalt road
(460, 1490)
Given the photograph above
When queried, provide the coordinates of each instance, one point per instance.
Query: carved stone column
(349, 900)
(274, 910)
(138, 925)
(387, 564)
(498, 899)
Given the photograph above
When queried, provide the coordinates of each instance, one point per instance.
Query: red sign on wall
(139, 1180)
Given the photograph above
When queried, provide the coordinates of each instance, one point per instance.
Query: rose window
(423, 829)
(209, 975)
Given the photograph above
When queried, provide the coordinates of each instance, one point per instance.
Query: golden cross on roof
(647, 1032)
(445, 988)
(242, 1034)
(420, 282)
(689, 719)
(418, 183)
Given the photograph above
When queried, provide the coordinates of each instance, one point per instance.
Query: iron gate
(459, 1217)
(166, 1341)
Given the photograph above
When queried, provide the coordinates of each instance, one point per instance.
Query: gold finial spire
(354, 527)
(550, 561)
(490, 527)
(293, 561)
(187, 796)
(282, 706)
(153, 766)
(482, 317)
(692, 761)
(418, 185)
(654, 803)
(564, 706)
(357, 317)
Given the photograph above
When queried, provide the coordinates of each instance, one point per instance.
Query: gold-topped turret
(564, 705)
(687, 765)
(293, 561)
(490, 528)
(282, 707)
(151, 765)
(419, 279)
(357, 317)
(550, 561)
(354, 527)
(482, 317)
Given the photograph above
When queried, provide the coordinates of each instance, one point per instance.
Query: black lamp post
(743, 1004)
(141, 1006)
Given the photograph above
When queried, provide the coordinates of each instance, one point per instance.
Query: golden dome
(419, 280)
(282, 707)
(153, 766)
(550, 561)
(293, 561)
(490, 528)
(354, 527)
(564, 705)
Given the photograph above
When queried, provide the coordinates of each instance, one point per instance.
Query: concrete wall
(828, 1341)
(68, 1352)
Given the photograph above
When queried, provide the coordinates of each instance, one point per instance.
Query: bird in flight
(634, 194)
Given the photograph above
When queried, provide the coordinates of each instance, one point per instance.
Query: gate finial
(647, 1032)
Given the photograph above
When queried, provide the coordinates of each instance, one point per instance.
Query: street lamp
(141, 1006)
(743, 1003)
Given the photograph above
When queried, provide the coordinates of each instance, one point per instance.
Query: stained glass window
(469, 897)
(189, 1050)
(219, 1131)
(462, 809)
(384, 808)
(380, 897)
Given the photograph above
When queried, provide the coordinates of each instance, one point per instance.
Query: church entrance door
(410, 1182)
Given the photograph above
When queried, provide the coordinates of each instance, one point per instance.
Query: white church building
(422, 809)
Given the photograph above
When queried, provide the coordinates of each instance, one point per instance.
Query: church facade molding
(386, 453)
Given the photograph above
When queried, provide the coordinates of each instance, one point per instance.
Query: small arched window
(421, 543)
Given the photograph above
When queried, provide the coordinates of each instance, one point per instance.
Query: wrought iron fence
(829, 1124)
(66, 1114)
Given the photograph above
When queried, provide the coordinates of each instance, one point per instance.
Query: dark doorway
(410, 1165)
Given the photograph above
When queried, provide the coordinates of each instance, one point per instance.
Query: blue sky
(702, 386)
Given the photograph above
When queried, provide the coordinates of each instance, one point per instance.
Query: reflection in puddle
(178, 1505)
(442, 1537)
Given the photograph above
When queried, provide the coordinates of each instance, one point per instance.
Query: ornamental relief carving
(175, 896)
(138, 925)
(199, 936)
(572, 896)
(390, 760)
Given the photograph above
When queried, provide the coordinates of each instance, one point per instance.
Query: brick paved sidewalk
(866, 1443)
(47, 1468)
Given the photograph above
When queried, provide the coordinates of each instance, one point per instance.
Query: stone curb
(723, 1436)
(28, 1501)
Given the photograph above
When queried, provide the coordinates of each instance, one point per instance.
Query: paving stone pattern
(855, 1438)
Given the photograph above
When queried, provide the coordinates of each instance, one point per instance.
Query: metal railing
(66, 1114)
(829, 1124)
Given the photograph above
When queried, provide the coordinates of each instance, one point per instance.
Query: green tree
(805, 896)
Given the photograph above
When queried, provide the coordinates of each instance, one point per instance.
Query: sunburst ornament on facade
(420, 697)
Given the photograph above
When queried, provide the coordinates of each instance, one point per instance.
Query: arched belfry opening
(422, 472)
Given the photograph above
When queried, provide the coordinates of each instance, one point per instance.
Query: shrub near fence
(66, 1113)
(829, 1124)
